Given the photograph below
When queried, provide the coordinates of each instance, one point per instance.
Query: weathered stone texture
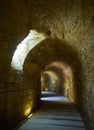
(73, 23)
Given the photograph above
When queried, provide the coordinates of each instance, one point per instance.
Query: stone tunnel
(45, 45)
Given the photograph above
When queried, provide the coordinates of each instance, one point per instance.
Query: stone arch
(51, 50)
(66, 77)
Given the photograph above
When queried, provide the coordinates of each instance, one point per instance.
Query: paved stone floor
(56, 113)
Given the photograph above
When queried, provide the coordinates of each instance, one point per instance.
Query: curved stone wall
(72, 22)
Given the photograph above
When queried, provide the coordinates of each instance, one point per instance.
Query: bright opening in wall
(49, 81)
(24, 47)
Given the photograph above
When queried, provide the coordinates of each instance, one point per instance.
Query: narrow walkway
(56, 113)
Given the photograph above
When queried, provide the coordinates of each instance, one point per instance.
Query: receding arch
(51, 50)
(65, 87)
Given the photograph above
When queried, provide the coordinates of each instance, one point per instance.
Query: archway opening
(58, 77)
(61, 60)
(56, 60)
(49, 81)
(33, 38)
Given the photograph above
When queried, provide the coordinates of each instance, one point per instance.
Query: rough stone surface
(72, 22)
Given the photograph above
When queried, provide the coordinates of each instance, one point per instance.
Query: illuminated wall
(72, 22)
(49, 81)
(24, 47)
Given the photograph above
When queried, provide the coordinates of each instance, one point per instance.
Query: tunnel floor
(56, 112)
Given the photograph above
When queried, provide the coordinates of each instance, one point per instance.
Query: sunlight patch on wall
(48, 81)
(24, 47)
(27, 111)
